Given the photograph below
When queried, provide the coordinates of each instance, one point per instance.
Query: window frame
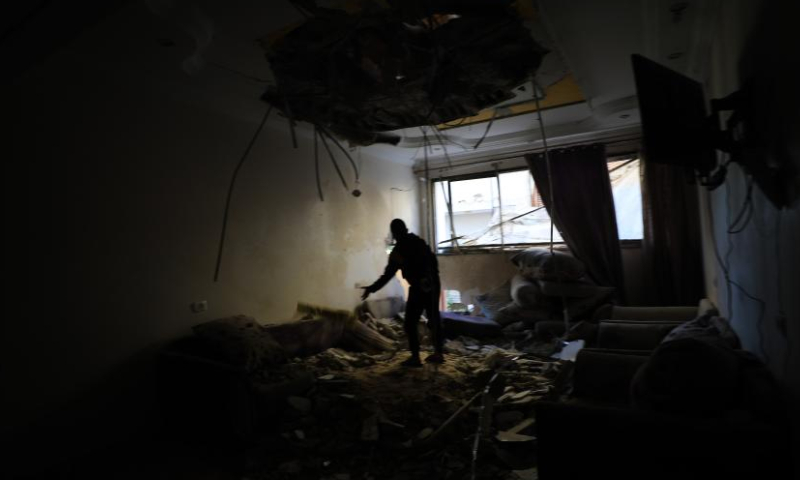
(506, 247)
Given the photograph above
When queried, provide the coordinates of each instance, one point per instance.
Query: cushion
(583, 308)
(539, 263)
(525, 292)
(572, 289)
(241, 341)
(707, 325)
(493, 300)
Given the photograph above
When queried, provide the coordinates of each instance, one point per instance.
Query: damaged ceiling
(585, 74)
(412, 64)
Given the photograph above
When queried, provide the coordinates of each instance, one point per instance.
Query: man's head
(398, 228)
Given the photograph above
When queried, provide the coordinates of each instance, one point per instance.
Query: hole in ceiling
(409, 64)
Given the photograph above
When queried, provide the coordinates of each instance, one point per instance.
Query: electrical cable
(451, 141)
(547, 163)
(724, 265)
(316, 164)
(492, 227)
(551, 211)
(230, 191)
(443, 144)
(448, 198)
(486, 132)
(429, 208)
(335, 163)
(344, 150)
(500, 206)
(454, 125)
(291, 122)
(447, 201)
(746, 209)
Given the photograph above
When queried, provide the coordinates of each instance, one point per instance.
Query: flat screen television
(675, 124)
(759, 135)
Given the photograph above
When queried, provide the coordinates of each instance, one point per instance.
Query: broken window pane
(515, 215)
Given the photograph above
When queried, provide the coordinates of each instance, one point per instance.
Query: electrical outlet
(199, 306)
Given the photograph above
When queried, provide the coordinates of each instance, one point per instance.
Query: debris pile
(364, 416)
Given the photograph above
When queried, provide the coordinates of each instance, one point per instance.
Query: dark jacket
(417, 262)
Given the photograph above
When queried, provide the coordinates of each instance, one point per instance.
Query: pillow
(707, 325)
(583, 308)
(493, 300)
(241, 341)
(580, 288)
(525, 292)
(540, 264)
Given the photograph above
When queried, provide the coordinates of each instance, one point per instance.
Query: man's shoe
(435, 358)
(411, 362)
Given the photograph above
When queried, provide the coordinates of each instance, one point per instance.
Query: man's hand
(366, 293)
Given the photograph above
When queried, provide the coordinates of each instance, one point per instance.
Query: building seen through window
(485, 212)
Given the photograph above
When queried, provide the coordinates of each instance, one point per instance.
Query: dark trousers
(418, 301)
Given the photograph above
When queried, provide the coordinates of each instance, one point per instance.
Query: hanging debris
(411, 64)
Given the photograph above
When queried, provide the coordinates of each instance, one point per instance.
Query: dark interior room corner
(400, 239)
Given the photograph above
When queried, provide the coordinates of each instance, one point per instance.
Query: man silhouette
(414, 258)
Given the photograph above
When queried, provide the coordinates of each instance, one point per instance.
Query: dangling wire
(427, 184)
(552, 211)
(500, 206)
(230, 191)
(335, 163)
(344, 150)
(745, 214)
(448, 196)
(443, 144)
(316, 163)
(291, 122)
(489, 126)
(537, 89)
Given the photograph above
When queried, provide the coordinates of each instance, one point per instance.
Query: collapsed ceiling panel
(399, 64)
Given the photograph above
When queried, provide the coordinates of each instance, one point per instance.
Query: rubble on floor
(364, 416)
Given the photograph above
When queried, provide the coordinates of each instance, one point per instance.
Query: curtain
(582, 207)
(672, 246)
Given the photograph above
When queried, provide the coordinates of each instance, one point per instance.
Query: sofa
(654, 399)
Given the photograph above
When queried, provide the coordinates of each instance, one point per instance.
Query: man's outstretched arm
(388, 273)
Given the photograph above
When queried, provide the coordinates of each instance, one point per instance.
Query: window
(483, 215)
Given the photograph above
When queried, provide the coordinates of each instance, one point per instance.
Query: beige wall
(123, 167)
